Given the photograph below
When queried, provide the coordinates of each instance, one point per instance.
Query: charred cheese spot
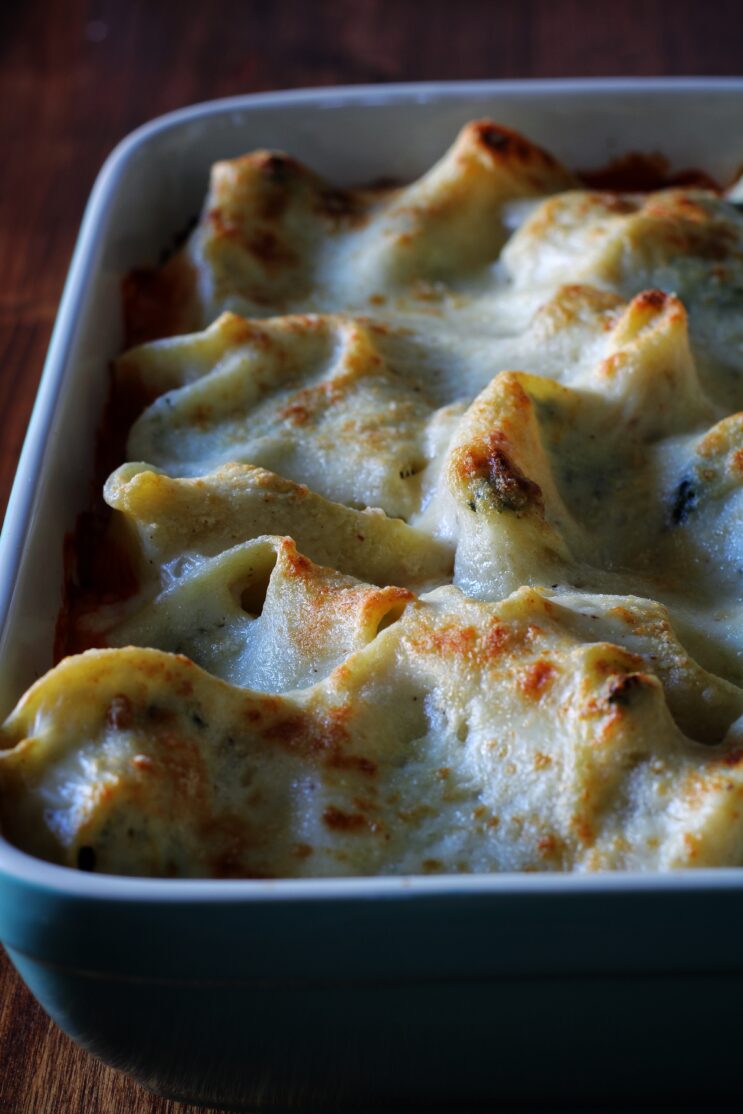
(506, 487)
(534, 681)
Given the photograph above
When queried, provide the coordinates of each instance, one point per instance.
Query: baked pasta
(432, 518)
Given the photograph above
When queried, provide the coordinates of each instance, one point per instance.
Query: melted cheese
(275, 236)
(259, 615)
(437, 525)
(168, 520)
(465, 736)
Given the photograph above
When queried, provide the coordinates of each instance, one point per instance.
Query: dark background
(76, 76)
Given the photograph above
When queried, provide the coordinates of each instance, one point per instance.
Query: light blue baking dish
(454, 992)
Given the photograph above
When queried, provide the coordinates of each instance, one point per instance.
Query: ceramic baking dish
(350, 994)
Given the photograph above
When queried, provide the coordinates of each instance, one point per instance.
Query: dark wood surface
(75, 76)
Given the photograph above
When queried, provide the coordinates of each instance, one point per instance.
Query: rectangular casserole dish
(355, 993)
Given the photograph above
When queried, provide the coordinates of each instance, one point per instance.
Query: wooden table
(77, 76)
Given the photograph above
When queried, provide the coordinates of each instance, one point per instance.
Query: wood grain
(77, 76)
(43, 1072)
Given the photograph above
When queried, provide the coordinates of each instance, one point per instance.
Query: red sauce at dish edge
(639, 172)
(97, 567)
